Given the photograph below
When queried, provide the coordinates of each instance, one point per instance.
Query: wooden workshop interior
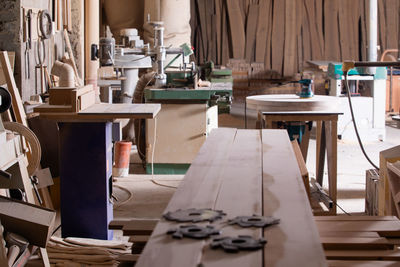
(187, 133)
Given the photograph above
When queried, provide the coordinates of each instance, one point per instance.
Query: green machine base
(167, 168)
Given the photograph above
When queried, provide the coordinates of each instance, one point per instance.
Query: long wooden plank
(348, 234)
(344, 30)
(199, 188)
(289, 65)
(336, 263)
(225, 39)
(268, 53)
(299, 45)
(218, 26)
(243, 171)
(16, 103)
(316, 46)
(363, 29)
(332, 46)
(319, 9)
(332, 243)
(236, 28)
(262, 26)
(356, 218)
(392, 24)
(278, 36)
(393, 255)
(285, 198)
(306, 34)
(251, 29)
(384, 228)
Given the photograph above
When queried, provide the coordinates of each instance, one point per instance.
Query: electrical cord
(55, 230)
(354, 121)
(152, 159)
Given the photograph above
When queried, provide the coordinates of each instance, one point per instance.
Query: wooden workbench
(291, 108)
(242, 172)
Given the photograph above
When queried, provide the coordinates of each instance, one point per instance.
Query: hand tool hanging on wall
(45, 30)
(28, 41)
(39, 60)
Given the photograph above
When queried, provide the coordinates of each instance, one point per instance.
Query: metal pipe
(129, 84)
(373, 32)
(376, 64)
(161, 79)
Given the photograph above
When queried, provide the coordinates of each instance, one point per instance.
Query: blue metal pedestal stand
(86, 179)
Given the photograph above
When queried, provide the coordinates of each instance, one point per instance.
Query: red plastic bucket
(122, 152)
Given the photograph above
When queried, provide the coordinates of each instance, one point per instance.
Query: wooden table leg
(331, 149)
(320, 153)
(305, 142)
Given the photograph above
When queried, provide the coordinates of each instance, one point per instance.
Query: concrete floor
(143, 198)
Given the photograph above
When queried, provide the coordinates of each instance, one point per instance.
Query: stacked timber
(360, 240)
(283, 35)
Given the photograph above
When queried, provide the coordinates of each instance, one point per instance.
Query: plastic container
(122, 151)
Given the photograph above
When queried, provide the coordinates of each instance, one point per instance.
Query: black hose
(354, 121)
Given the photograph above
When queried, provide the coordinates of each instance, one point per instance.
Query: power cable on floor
(354, 121)
(125, 201)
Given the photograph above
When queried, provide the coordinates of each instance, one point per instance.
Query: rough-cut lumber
(278, 36)
(332, 46)
(236, 29)
(262, 26)
(289, 65)
(251, 29)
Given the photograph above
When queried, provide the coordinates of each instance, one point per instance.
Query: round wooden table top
(292, 103)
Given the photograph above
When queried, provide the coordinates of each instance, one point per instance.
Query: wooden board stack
(285, 34)
(360, 240)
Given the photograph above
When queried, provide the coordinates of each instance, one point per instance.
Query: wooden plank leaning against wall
(322, 30)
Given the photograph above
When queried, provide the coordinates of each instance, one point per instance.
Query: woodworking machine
(188, 112)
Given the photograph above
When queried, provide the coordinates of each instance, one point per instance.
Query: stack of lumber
(84, 251)
(284, 34)
(139, 231)
(360, 240)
